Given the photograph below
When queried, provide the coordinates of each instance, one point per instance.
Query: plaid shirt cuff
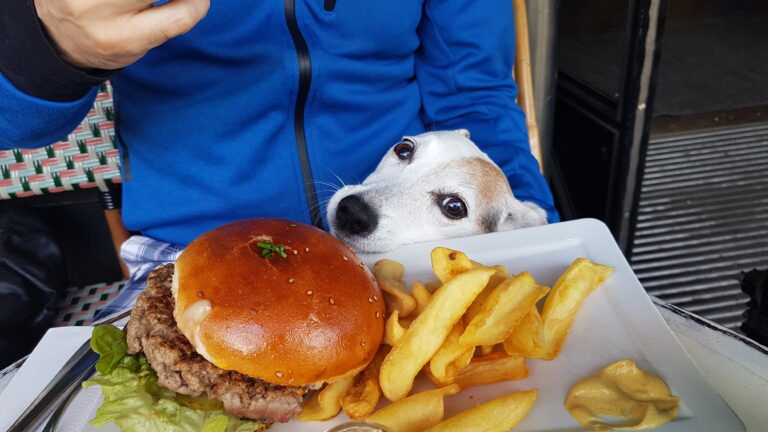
(141, 255)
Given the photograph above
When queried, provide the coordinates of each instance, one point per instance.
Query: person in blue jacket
(235, 109)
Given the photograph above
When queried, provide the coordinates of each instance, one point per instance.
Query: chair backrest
(524, 77)
(86, 158)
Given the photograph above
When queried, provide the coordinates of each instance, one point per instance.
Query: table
(735, 365)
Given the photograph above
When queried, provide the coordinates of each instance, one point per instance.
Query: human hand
(111, 34)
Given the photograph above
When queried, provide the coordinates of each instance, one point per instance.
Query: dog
(428, 187)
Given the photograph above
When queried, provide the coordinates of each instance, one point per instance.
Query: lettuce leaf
(109, 342)
(135, 402)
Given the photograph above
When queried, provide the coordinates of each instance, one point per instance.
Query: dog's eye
(453, 207)
(404, 150)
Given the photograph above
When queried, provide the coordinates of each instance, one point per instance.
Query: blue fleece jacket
(264, 106)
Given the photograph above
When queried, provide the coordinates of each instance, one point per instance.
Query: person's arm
(54, 52)
(41, 97)
(464, 70)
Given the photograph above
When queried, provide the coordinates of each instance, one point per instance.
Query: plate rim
(592, 232)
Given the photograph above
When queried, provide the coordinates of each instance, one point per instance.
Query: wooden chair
(524, 77)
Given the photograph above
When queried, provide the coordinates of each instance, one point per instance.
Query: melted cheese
(191, 320)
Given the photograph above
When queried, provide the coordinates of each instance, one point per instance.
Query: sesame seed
(291, 280)
(377, 314)
(309, 292)
(279, 374)
(362, 265)
(362, 343)
(306, 250)
(331, 301)
(252, 310)
(370, 299)
(345, 258)
(200, 294)
(375, 298)
(295, 251)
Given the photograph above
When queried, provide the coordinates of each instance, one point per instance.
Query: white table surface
(736, 366)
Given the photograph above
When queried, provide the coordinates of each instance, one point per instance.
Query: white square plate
(617, 321)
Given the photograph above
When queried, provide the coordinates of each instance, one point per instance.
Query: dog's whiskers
(406, 239)
(326, 191)
(341, 182)
(322, 205)
(333, 186)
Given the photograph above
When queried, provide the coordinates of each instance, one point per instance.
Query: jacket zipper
(125, 158)
(305, 78)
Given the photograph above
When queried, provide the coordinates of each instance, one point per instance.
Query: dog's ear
(464, 132)
(522, 215)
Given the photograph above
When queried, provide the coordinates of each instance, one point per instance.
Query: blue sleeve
(29, 122)
(464, 69)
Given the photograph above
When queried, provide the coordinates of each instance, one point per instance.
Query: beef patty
(153, 331)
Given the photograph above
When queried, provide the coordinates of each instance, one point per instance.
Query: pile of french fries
(474, 325)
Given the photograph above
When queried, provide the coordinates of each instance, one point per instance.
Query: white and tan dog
(428, 187)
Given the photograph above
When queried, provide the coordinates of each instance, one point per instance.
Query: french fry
(428, 332)
(393, 329)
(492, 368)
(500, 276)
(449, 263)
(386, 268)
(569, 292)
(326, 403)
(527, 337)
(389, 275)
(452, 369)
(421, 295)
(396, 298)
(499, 415)
(432, 286)
(461, 362)
(416, 412)
(504, 308)
(361, 398)
(452, 356)
(435, 381)
(486, 349)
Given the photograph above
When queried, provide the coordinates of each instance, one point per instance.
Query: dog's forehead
(477, 178)
(445, 146)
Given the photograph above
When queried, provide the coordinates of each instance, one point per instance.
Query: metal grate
(703, 219)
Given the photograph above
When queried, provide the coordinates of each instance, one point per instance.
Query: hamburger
(255, 314)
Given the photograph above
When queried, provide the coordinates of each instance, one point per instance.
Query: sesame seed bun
(278, 300)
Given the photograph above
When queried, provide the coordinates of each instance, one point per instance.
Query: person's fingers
(157, 24)
(111, 34)
(128, 6)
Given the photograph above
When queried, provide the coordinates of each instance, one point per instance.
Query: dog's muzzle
(354, 216)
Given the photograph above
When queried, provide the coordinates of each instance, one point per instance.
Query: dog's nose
(355, 216)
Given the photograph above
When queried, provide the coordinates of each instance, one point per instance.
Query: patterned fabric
(86, 158)
(81, 304)
(141, 255)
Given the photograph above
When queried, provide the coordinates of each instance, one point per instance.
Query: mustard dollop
(622, 396)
